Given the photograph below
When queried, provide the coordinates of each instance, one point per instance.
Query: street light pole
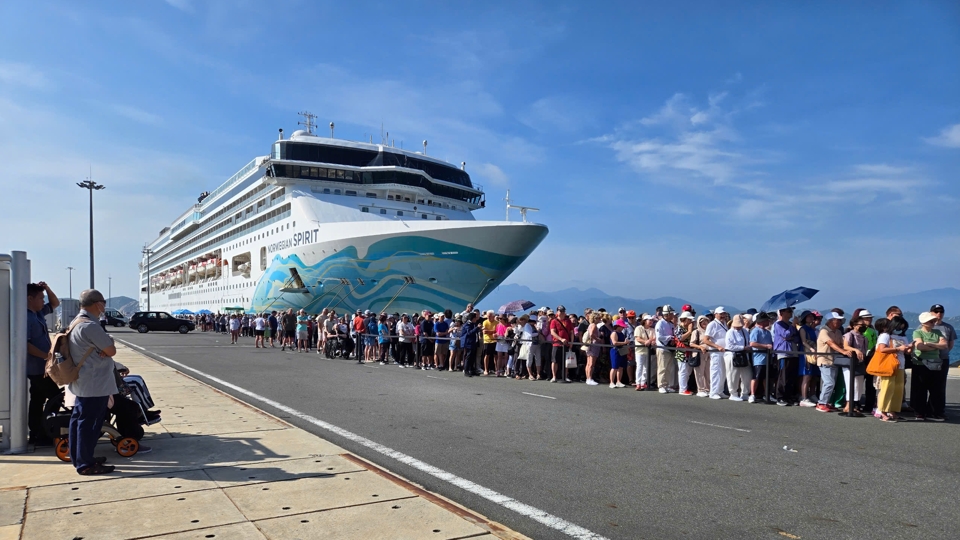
(148, 252)
(71, 269)
(90, 185)
(109, 289)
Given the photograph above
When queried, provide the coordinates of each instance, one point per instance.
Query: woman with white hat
(924, 390)
(737, 360)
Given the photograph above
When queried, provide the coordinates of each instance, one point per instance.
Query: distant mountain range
(576, 300)
(124, 304)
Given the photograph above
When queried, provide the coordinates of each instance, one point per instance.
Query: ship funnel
(281, 134)
(463, 165)
(424, 147)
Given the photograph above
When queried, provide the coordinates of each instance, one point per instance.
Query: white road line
(722, 427)
(432, 377)
(540, 516)
(538, 395)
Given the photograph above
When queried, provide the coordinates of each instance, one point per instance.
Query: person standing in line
(924, 385)
(809, 372)
(761, 341)
(427, 344)
(274, 325)
(456, 351)
(502, 347)
(259, 325)
(358, 327)
(666, 364)
(544, 317)
(406, 333)
(701, 372)
(786, 338)
(94, 386)
(620, 342)
(644, 337)
(870, 335)
(830, 343)
(853, 379)
(288, 323)
(468, 341)
(737, 343)
(950, 334)
(589, 337)
(713, 338)
(489, 342)
(42, 387)
(892, 341)
(528, 344)
(561, 330)
(683, 333)
(442, 330)
(234, 329)
(303, 333)
(383, 338)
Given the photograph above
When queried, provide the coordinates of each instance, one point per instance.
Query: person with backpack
(38, 345)
(92, 349)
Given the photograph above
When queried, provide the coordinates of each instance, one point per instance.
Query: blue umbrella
(515, 306)
(182, 312)
(788, 299)
(204, 312)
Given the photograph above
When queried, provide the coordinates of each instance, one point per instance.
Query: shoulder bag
(883, 364)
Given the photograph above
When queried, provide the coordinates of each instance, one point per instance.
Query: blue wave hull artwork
(457, 275)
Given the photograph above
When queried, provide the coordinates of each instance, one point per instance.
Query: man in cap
(489, 342)
(644, 337)
(950, 334)
(786, 338)
(95, 384)
(714, 337)
(42, 388)
(925, 390)
(666, 363)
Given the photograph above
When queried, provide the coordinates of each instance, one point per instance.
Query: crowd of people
(808, 359)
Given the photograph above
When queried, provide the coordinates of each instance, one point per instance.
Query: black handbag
(741, 359)
(693, 359)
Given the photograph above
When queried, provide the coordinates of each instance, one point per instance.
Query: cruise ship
(322, 223)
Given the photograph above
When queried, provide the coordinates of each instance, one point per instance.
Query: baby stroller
(132, 408)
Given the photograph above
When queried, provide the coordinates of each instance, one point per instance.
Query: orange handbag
(883, 364)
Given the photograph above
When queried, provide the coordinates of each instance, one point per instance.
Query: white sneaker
(752, 399)
(591, 382)
(716, 397)
(553, 379)
(703, 394)
(612, 385)
(621, 385)
(808, 403)
(736, 398)
(662, 390)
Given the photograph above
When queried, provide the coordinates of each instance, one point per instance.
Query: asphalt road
(620, 463)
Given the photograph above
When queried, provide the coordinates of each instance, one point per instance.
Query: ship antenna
(308, 118)
(331, 130)
(523, 209)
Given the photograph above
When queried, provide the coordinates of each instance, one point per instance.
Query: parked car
(161, 321)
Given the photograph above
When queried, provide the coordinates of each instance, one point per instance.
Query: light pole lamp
(109, 289)
(70, 270)
(148, 252)
(90, 185)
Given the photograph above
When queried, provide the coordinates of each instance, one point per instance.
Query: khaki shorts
(443, 347)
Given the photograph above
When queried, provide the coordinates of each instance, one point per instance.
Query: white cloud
(182, 5)
(949, 137)
(137, 115)
(18, 74)
(556, 113)
(493, 175)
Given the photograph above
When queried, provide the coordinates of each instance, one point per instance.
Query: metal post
(70, 268)
(19, 278)
(147, 251)
(109, 289)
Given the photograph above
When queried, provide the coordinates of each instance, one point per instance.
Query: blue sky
(719, 152)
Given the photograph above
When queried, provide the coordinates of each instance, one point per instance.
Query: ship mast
(308, 118)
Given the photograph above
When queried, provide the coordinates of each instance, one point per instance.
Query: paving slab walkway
(225, 470)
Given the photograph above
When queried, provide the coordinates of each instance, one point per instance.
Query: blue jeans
(85, 424)
(828, 377)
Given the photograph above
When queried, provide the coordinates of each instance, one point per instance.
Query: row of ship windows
(383, 212)
(271, 232)
(371, 195)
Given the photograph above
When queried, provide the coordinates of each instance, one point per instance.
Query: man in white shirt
(666, 362)
(714, 338)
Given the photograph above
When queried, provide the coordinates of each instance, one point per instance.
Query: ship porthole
(433, 280)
